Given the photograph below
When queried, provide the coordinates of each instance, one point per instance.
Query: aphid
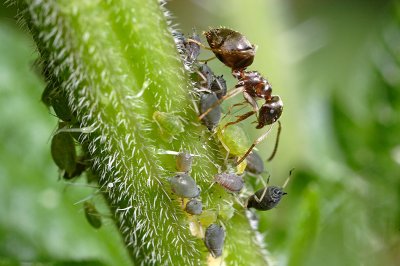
(214, 239)
(80, 167)
(213, 117)
(59, 102)
(184, 186)
(231, 47)
(194, 207)
(255, 164)
(64, 153)
(92, 215)
(268, 197)
(192, 49)
(230, 181)
(218, 85)
(184, 162)
(209, 81)
(233, 139)
(170, 125)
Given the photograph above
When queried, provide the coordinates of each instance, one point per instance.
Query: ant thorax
(254, 84)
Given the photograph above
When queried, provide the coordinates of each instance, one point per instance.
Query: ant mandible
(235, 51)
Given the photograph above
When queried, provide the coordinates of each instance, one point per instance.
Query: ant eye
(270, 112)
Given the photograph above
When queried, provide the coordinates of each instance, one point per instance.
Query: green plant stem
(117, 64)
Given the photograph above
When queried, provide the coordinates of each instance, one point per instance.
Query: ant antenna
(278, 134)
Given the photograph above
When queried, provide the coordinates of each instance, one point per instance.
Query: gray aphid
(214, 239)
(194, 207)
(230, 181)
(184, 186)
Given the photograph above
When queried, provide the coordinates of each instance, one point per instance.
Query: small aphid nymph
(92, 215)
(184, 162)
(214, 239)
(184, 186)
(194, 207)
(230, 181)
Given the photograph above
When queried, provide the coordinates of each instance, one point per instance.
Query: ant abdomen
(231, 47)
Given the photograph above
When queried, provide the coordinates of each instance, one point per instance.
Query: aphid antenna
(169, 152)
(85, 130)
(278, 133)
(90, 197)
(258, 140)
(288, 178)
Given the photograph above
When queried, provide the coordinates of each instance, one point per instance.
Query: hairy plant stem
(116, 64)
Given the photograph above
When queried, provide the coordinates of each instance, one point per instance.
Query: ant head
(270, 111)
(231, 47)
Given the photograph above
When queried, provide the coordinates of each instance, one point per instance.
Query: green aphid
(92, 215)
(170, 125)
(234, 140)
(207, 217)
(64, 153)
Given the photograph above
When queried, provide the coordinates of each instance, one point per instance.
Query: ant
(235, 51)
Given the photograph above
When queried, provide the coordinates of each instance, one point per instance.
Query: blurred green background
(336, 65)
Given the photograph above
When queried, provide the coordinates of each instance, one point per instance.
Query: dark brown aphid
(92, 215)
(184, 186)
(80, 167)
(184, 162)
(231, 47)
(214, 239)
(194, 207)
(265, 198)
(230, 181)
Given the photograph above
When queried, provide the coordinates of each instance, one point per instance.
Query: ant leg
(240, 118)
(227, 96)
(262, 195)
(276, 142)
(251, 101)
(206, 60)
(199, 43)
(254, 144)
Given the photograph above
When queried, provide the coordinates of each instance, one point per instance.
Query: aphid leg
(239, 118)
(262, 195)
(278, 134)
(227, 96)
(231, 108)
(254, 144)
